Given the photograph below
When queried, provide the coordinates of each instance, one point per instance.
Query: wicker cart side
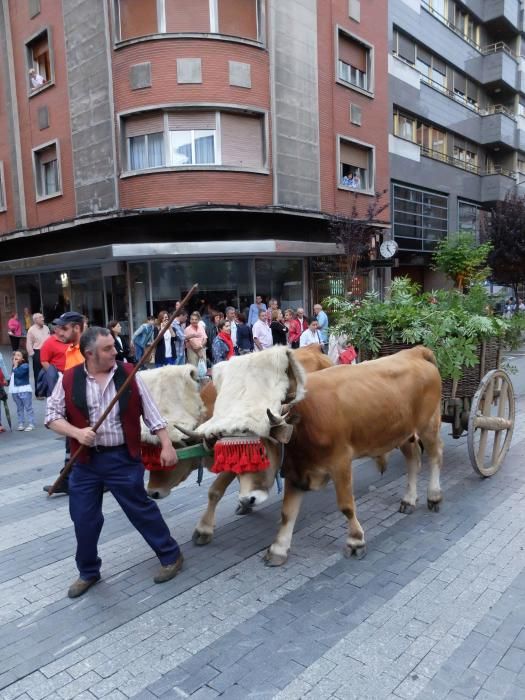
(488, 351)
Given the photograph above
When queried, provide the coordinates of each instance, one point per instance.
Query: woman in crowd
(222, 348)
(122, 348)
(278, 328)
(294, 328)
(14, 330)
(143, 337)
(196, 339)
(165, 352)
(212, 330)
(244, 335)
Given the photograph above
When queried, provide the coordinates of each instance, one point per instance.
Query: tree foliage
(462, 259)
(354, 233)
(505, 229)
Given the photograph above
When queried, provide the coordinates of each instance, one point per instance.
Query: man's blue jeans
(124, 477)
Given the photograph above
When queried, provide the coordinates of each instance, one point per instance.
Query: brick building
(148, 144)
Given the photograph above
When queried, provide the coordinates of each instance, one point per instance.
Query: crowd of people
(200, 340)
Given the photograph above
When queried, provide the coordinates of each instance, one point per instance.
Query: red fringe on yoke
(240, 456)
(151, 458)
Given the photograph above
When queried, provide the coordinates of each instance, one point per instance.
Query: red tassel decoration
(151, 458)
(240, 455)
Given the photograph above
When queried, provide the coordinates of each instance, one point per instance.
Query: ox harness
(240, 454)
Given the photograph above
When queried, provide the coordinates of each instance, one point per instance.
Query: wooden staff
(67, 468)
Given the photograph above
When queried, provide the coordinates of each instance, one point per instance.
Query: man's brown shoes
(81, 586)
(166, 573)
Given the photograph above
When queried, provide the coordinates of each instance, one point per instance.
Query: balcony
(502, 15)
(499, 66)
(496, 183)
(498, 127)
(450, 160)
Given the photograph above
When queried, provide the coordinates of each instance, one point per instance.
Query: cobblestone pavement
(436, 609)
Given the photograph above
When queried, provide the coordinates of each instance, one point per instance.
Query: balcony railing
(497, 109)
(499, 46)
(450, 160)
(499, 170)
(450, 25)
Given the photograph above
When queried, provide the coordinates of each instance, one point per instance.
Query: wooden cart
(481, 404)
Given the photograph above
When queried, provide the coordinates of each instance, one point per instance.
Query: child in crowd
(21, 391)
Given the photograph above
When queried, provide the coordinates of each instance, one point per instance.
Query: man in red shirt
(64, 353)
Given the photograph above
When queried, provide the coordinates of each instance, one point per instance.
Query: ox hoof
(406, 507)
(201, 538)
(433, 506)
(271, 559)
(243, 509)
(350, 550)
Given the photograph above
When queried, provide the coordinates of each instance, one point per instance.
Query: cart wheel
(491, 422)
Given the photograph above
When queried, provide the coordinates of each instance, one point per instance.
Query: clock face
(388, 249)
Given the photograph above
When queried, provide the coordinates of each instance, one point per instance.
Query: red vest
(130, 404)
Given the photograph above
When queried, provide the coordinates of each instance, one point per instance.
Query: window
(139, 18)
(187, 138)
(466, 153)
(429, 137)
(238, 18)
(2, 188)
(404, 47)
(457, 18)
(405, 126)
(469, 217)
(419, 218)
(39, 63)
(47, 171)
(355, 166)
(354, 62)
(136, 18)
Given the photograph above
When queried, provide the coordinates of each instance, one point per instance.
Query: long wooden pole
(145, 358)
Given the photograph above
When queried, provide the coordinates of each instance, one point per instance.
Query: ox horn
(276, 420)
(190, 433)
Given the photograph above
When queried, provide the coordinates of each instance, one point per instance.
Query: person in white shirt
(36, 79)
(231, 316)
(311, 335)
(262, 333)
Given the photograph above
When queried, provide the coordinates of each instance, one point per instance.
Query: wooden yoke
(145, 358)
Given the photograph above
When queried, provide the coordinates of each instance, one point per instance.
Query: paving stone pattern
(436, 609)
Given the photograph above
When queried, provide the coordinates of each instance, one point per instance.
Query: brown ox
(161, 483)
(349, 412)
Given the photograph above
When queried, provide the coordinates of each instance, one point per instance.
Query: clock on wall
(388, 248)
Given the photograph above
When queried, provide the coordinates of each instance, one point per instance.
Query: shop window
(39, 63)
(242, 140)
(47, 171)
(355, 166)
(2, 188)
(354, 62)
(136, 18)
(469, 217)
(187, 16)
(419, 218)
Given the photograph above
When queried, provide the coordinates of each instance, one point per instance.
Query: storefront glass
(87, 296)
(221, 283)
(282, 279)
(56, 297)
(139, 290)
(28, 295)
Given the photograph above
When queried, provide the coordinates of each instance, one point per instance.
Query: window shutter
(424, 55)
(241, 139)
(137, 18)
(238, 18)
(460, 82)
(472, 91)
(353, 53)
(354, 155)
(46, 155)
(141, 124)
(439, 65)
(184, 16)
(184, 121)
(407, 48)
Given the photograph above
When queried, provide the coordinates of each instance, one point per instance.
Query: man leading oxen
(348, 412)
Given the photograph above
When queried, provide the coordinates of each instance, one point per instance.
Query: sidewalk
(436, 609)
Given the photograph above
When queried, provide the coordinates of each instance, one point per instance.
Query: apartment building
(457, 136)
(149, 144)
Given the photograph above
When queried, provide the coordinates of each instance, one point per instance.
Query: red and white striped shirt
(110, 433)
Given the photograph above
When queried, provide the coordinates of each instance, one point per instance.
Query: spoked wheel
(491, 422)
